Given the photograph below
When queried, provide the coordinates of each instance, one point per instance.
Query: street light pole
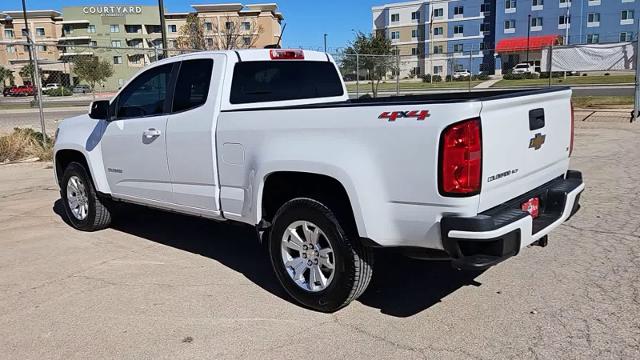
(325, 42)
(29, 42)
(163, 27)
(528, 37)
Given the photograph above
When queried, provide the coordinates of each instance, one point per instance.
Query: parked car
(461, 74)
(241, 136)
(51, 86)
(524, 68)
(23, 90)
(81, 89)
(7, 90)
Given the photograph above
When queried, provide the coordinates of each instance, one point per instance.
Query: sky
(307, 20)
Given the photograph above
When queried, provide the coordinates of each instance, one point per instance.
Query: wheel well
(281, 187)
(66, 157)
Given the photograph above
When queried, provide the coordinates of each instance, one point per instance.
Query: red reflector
(532, 206)
(287, 54)
(573, 118)
(461, 158)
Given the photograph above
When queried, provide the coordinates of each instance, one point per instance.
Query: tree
(373, 56)
(226, 33)
(6, 74)
(92, 70)
(26, 72)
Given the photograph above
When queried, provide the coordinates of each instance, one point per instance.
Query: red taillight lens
(287, 54)
(461, 159)
(573, 118)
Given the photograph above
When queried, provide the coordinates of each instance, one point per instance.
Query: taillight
(279, 54)
(573, 117)
(461, 159)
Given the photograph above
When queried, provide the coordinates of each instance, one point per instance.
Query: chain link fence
(70, 76)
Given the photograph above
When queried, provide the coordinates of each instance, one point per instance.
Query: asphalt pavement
(166, 286)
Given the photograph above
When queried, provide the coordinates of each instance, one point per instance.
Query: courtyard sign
(112, 10)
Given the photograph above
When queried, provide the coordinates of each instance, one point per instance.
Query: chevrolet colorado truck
(270, 138)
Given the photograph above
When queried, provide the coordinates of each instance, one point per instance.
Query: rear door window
(262, 81)
(192, 86)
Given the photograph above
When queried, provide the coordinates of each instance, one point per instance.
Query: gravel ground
(167, 286)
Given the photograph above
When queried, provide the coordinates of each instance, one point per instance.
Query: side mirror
(99, 110)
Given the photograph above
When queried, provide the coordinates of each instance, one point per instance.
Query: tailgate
(525, 143)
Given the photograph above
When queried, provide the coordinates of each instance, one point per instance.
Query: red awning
(520, 43)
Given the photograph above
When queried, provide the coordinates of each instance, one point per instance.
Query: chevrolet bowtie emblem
(537, 141)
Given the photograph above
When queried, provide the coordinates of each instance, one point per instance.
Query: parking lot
(158, 285)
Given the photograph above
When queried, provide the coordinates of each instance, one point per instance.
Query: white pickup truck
(270, 138)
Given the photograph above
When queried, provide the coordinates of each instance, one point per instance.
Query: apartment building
(129, 36)
(439, 36)
(533, 24)
(45, 27)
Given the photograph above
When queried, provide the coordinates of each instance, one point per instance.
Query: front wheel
(318, 263)
(84, 209)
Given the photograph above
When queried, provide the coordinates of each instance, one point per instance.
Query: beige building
(45, 25)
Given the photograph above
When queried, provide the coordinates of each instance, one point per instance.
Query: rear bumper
(479, 242)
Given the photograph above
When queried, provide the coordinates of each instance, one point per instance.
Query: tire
(96, 216)
(352, 262)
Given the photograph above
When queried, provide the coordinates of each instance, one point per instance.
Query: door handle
(151, 133)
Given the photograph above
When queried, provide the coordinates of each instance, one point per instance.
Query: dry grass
(25, 144)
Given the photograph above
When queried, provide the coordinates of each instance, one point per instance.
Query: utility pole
(636, 97)
(325, 42)
(163, 27)
(528, 37)
(29, 42)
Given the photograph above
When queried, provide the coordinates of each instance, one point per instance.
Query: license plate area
(532, 206)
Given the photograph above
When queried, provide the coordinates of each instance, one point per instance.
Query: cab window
(192, 86)
(146, 94)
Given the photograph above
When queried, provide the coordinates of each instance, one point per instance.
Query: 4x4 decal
(394, 115)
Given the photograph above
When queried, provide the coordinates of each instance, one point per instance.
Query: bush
(61, 91)
(511, 76)
(482, 76)
(25, 143)
(427, 78)
(448, 78)
(437, 78)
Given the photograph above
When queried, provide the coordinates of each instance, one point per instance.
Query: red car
(7, 90)
(24, 90)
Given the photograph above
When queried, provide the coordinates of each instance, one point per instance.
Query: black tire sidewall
(76, 169)
(335, 295)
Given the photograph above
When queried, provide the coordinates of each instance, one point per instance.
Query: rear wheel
(317, 262)
(85, 211)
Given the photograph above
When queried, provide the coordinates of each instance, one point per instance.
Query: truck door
(191, 139)
(134, 143)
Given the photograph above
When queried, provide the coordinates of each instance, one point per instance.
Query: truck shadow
(401, 287)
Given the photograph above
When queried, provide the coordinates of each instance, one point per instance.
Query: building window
(210, 42)
(458, 48)
(173, 28)
(536, 22)
(416, 70)
(117, 60)
(438, 31)
(485, 8)
(91, 29)
(564, 20)
(8, 34)
(510, 4)
(209, 26)
(415, 15)
(228, 25)
(42, 47)
(395, 17)
(246, 26)
(414, 33)
(626, 36)
(116, 43)
(458, 30)
(438, 12)
(593, 38)
(135, 59)
(173, 44)
(537, 3)
(627, 15)
(485, 27)
(458, 10)
(24, 32)
(415, 51)
(437, 70)
(395, 35)
(11, 49)
(25, 48)
(93, 43)
(565, 3)
(40, 32)
(593, 18)
(438, 49)
(509, 24)
(246, 40)
(114, 28)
